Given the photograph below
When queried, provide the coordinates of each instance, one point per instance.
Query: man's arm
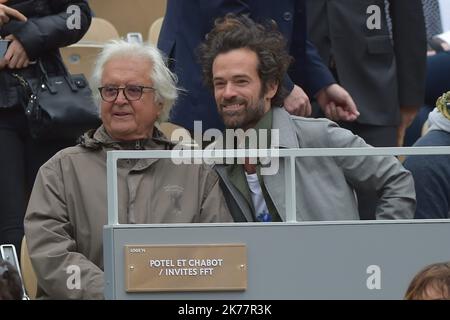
(51, 243)
(297, 102)
(334, 100)
(308, 74)
(384, 174)
(41, 34)
(317, 74)
(410, 48)
(317, 80)
(337, 104)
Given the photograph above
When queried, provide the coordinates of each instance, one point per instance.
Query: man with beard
(184, 28)
(244, 64)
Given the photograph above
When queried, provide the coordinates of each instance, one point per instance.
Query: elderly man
(244, 64)
(67, 209)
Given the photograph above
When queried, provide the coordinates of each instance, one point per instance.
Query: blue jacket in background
(432, 177)
(187, 22)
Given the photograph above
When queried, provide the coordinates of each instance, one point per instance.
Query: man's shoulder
(425, 163)
(313, 132)
(312, 122)
(281, 113)
(66, 154)
(302, 123)
(73, 151)
(434, 138)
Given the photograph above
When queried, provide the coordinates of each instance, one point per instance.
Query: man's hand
(407, 113)
(297, 102)
(16, 56)
(6, 13)
(337, 104)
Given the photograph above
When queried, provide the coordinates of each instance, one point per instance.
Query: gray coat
(325, 185)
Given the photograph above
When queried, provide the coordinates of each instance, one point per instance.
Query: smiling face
(238, 90)
(129, 120)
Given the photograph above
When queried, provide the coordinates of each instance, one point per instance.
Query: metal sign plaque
(211, 267)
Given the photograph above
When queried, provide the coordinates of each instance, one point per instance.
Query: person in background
(243, 63)
(438, 65)
(187, 22)
(432, 172)
(36, 30)
(67, 209)
(385, 75)
(430, 283)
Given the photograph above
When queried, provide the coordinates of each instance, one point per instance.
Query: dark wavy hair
(235, 32)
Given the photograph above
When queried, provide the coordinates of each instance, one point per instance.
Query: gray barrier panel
(324, 260)
(304, 260)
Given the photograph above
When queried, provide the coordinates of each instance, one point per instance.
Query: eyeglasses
(131, 92)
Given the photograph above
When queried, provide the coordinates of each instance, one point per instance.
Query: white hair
(164, 81)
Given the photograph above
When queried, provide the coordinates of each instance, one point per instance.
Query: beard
(245, 116)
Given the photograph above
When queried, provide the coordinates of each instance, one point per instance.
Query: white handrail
(290, 154)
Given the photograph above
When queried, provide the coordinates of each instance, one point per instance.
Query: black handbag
(59, 107)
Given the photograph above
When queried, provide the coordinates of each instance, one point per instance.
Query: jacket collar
(97, 139)
(100, 139)
(240, 200)
(287, 135)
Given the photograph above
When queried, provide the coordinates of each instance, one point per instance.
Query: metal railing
(289, 156)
